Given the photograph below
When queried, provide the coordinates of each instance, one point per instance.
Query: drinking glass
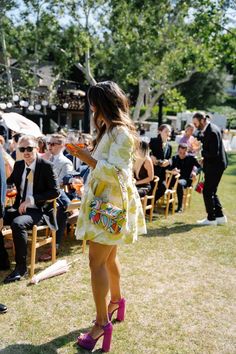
(77, 184)
(11, 191)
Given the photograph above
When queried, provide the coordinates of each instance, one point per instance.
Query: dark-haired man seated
(187, 166)
(36, 183)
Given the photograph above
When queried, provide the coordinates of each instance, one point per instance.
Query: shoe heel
(121, 311)
(107, 336)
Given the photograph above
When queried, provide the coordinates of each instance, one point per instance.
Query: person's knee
(95, 263)
(17, 225)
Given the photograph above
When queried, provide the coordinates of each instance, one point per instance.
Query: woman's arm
(119, 156)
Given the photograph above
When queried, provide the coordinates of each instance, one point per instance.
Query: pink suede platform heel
(120, 310)
(86, 341)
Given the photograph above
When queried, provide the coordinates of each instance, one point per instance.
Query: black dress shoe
(3, 308)
(16, 275)
(179, 210)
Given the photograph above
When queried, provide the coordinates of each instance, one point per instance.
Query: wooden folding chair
(145, 200)
(187, 196)
(38, 236)
(72, 220)
(171, 191)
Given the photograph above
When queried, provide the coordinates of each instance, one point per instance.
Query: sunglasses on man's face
(27, 148)
(53, 144)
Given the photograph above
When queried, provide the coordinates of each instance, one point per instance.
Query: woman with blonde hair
(111, 178)
(193, 144)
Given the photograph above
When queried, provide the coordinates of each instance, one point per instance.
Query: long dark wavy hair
(112, 106)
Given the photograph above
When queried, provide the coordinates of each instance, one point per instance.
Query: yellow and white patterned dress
(114, 151)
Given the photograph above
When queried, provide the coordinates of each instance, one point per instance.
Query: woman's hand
(83, 154)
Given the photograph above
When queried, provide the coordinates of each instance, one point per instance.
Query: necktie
(26, 184)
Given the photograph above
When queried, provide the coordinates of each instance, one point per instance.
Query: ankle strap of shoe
(101, 326)
(115, 302)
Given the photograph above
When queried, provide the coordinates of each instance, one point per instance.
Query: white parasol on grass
(20, 124)
(57, 268)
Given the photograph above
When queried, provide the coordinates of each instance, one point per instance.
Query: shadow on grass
(176, 228)
(49, 347)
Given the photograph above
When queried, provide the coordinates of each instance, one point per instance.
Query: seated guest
(62, 166)
(14, 152)
(42, 148)
(36, 183)
(161, 152)
(187, 165)
(193, 144)
(8, 160)
(143, 169)
(4, 262)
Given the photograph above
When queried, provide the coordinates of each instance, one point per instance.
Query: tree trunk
(160, 92)
(152, 103)
(143, 89)
(6, 59)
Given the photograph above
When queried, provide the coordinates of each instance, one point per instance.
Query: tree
(5, 6)
(159, 47)
(204, 89)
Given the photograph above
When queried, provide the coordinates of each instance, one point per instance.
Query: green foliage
(127, 41)
(226, 52)
(203, 89)
(174, 102)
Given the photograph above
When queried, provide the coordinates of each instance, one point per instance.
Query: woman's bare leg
(98, 255)
(113, 267)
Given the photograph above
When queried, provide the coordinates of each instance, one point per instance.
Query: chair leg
(167, 206)
(53, 246)
(190, 196)
(151, 214)
(185, 196)
(33, 251)
(173, 205)
(144, 205)
(72, 230)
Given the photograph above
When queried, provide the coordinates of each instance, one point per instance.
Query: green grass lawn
(179, 281)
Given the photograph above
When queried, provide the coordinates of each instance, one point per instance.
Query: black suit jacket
(156, 147)
(45, 187)
(213, 151)
(184, 165)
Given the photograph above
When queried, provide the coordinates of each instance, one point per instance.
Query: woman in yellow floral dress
(112, 157)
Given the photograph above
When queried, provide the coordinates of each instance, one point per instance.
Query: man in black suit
(187, 166)
(214, 163)
(36, 183)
